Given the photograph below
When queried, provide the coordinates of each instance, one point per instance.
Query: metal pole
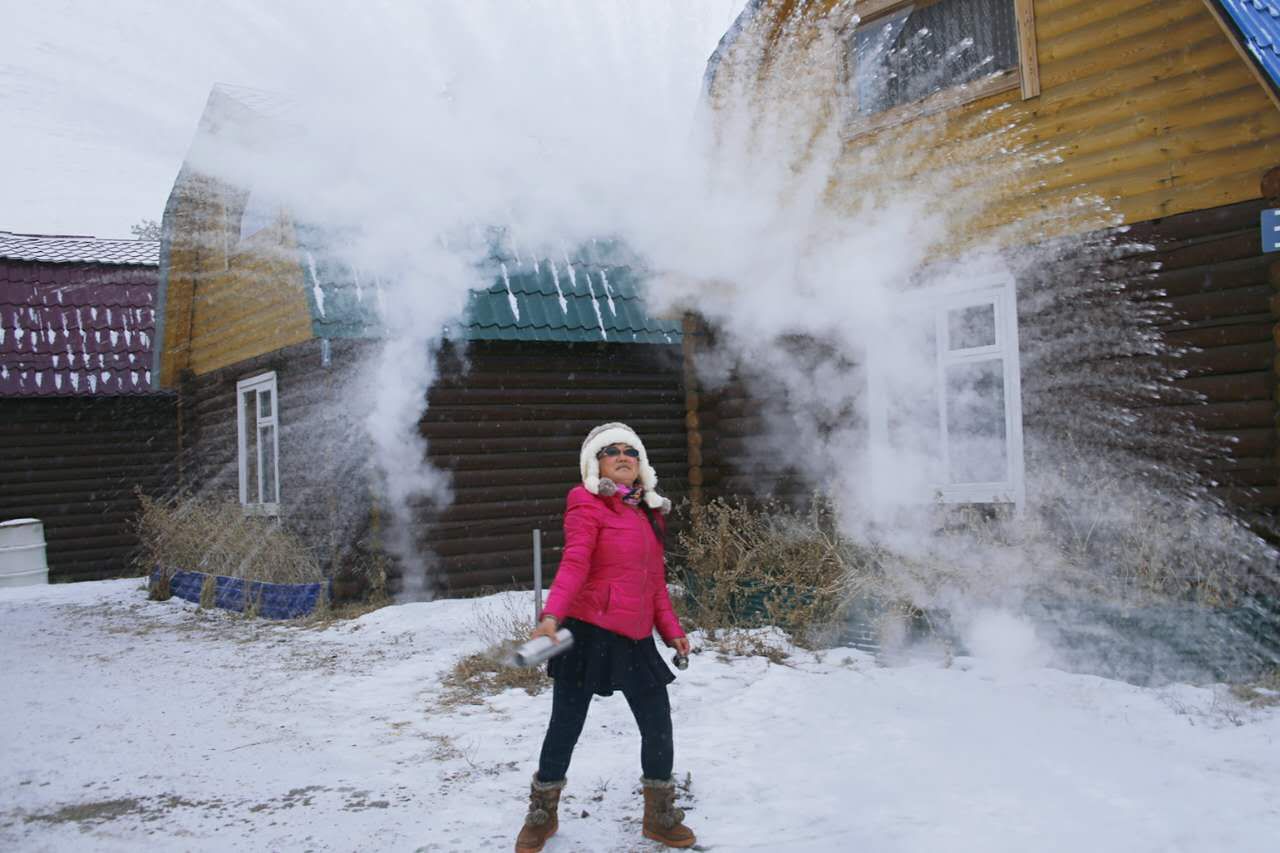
(537, 574)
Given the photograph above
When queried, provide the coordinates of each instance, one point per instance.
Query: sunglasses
(613, 451)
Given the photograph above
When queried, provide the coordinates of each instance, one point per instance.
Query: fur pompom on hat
(616, 433)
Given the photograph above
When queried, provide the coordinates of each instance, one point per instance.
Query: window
(257, 418)
(909, 52)
(946, 398)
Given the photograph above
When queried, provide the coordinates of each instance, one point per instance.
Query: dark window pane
(915, 52)
(974, 326)
(267, 444)
(914, 424)
(248, 402)
(976, 441)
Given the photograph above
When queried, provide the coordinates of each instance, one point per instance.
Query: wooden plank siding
(1144, 104)
(509, 430)
(74, 462)
(1220, 290)
(506, 422)
(226, 300)
(325, 486)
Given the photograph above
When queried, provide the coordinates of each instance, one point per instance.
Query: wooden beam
(1233, 36)
(692, 404)
(1028, 56)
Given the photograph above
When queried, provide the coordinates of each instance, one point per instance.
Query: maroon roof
(69, 329)
(94, 250)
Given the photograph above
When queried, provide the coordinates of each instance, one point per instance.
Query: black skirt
(601, 661)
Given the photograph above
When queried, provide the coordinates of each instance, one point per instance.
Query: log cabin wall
(1217, 282)
(1220, 290)
(509, 429)
(325, 484)
(506, 420)
(74, 463)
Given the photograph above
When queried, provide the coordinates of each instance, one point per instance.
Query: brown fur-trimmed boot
(542, 821)
(662, 820)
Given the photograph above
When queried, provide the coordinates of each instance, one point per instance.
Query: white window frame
(1000, 292)
(1025, 77)
(251, 494)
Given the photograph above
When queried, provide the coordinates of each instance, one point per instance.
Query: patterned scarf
(631, 496)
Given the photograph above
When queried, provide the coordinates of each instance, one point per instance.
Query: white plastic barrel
(22, 555)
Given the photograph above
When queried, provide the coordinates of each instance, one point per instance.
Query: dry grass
(746, 566)
(504, 624)
(215, 536)
(1263, 693)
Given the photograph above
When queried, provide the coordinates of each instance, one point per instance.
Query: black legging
(569, 704)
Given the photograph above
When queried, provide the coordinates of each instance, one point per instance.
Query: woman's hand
(681, 645)
(546, 628)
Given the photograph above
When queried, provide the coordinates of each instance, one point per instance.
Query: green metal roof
(549, 300)
(571, 300)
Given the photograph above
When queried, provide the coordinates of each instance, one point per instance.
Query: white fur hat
(600, 438)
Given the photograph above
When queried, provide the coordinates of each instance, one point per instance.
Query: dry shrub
(749, 565)
(215, 536)
(505, 624)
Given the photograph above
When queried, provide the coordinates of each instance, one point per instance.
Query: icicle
(555, 277)
(316, 290)
(511, 297)
(355, 274)
(608, 292)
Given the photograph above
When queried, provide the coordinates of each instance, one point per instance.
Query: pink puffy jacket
(612, 573)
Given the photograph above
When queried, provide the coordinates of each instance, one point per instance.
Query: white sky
(99, 100)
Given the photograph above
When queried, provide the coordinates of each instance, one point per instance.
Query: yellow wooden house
(1165, 113)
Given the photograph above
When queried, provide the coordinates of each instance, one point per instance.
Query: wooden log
(1245, 244)
(545, 411)
(1177, 230)
(1238, 302)
(1229, 275)
(1235, 387)
(1262, 497)
(1249, 442)
(536, 428)
(1249, 414)
(472, 396)
(1229, 359)
(1218, 336)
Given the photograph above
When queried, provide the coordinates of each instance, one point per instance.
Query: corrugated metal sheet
(589, 296)
(566, 301)
(1259, 23)
(75, 329)
(78, 250)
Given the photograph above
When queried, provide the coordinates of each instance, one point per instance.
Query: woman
(611, 592)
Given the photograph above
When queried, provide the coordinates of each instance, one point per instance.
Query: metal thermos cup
(539, 649)
(680, 661)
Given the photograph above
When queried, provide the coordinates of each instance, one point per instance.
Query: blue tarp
(273, 600)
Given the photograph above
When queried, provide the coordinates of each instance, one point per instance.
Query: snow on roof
(57, 249)
(76, 329)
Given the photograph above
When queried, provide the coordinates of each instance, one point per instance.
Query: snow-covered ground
(127, 724)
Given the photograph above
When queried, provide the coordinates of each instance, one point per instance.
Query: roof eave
(1240, 43)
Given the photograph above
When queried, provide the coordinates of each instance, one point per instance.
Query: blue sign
(1271, 230)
